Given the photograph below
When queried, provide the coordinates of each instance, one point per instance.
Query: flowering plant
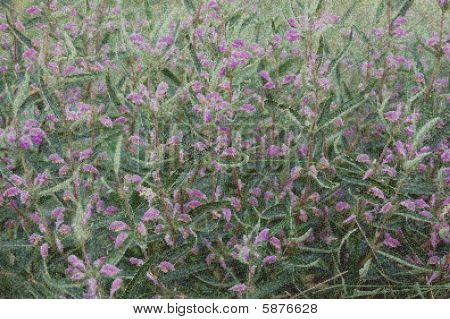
(223, 149)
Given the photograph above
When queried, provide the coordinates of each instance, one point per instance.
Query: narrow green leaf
(404, 263)
(117, 155)
(115, 257)
(421, 134)
(197, 64)
(379, 12)
(302, 238)
(365, 269)
(334, 63)
(189, 5)
(411, 164)
(21, 95)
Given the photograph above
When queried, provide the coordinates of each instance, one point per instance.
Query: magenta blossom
(166, 266)
(109, 270)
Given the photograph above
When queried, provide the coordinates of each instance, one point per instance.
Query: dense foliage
(219, 149)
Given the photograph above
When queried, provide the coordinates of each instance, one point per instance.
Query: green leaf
(81, 233)
(70, 46)
(318, 7)
(365, 269)
(117, 155)
(64, 185)
(189, 5)
(21, 95)
(198, 212)
(14, 244)
(115, 257)
(114, 93)
(379, 12)
(411, 164)
(302, 238)
(48, 98)
(344, 113)
(334, 63)
(405, 263)
(312, 264)
(414, 217)
(139, 279)
(171, 77)
(421, 133)
(19, 35)
(184, 272)
(198, 66)
(402, 12)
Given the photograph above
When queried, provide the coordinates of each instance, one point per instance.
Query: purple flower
(377, 192)
(193, 204)
(265, 75)
(162, 90)
(136, 261)
(89, 168)
(55, 158)
(386, 208)
(37, 135)
(109, 270)
(392, 116)
(238, 43)
(275, 242)
(445, 156)
(115, 286)
(25, 142)
(165, 40)
(136, 98)
(263, 235)
(11, 192)
(269, 260)
(120, 239)
(248, 108)
(442, 3)
(390, 241)
(118, 225)
(192, 192)
(324, 83)
(106, 121)
(75, 262)
(85, 154)
(230, 151)
(426, 214)
(111, 210)
(150, 276)
(292, 35)
(100, 261)
(273, 151)
(166, 266)
(30, 54)
(408, 204)
(341, 206)
(349, 219)
(141, 229)
(33, 10)
(227, 214)
(363, 158)
(44, 250)
(150, 214)
(137, 38)
(238, 288)
(368, 174)
(435, 275)
(91, 289)
(34, 239)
